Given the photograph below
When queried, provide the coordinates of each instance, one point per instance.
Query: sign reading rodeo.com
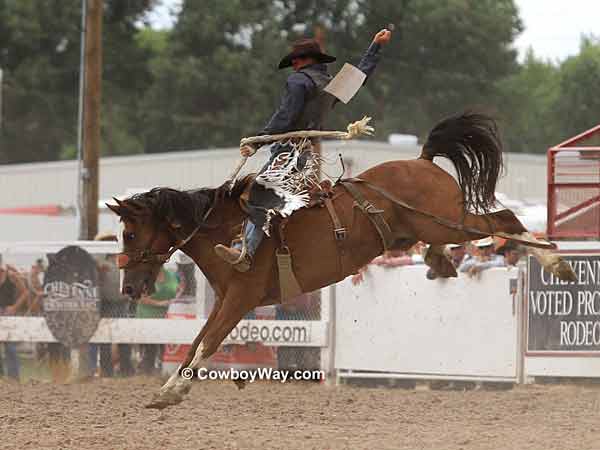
(564, 316)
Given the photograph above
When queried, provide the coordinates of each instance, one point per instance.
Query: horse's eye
(129, 236)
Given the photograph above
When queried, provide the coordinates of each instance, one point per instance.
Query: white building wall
(56, 182)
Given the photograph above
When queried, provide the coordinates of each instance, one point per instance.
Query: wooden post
(92, 10)
(91, 120)
(317, 147)
(1, 82)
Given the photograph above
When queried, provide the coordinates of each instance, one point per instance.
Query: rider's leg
(253, 236)
(234, 255)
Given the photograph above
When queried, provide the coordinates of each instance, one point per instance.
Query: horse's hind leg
(436, 258)
(505, 224)
(549, 260)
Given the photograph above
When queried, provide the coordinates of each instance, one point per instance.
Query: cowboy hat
(485, 242)
(305, 48)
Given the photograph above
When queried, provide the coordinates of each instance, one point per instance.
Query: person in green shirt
(155, 307)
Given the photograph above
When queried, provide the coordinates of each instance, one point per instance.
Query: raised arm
(371, 57)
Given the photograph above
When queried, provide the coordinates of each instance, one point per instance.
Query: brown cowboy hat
(304, 48)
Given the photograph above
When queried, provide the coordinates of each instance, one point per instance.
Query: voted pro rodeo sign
(564, 316)
(71, 302)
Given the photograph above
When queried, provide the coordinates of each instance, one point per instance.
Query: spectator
(13, 295)
(512, 252)
(392, 259)
(458, 253)
(34, 281)
(482, 259)
(155, 307)
(112, 304)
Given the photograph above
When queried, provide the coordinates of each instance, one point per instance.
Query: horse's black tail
(471, 142)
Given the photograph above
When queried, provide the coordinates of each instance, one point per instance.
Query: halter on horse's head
(155, 225)
(159, 222)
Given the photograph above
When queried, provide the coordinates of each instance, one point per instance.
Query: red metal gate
(574, 188)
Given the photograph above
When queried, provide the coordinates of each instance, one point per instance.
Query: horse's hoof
(563, 271)
(441, 265)
(164, 400)
(447, 271)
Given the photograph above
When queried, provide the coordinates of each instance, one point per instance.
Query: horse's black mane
(188, 207)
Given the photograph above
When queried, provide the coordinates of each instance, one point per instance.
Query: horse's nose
(128, 290)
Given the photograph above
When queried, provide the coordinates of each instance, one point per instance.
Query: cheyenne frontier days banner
(564, 316)
(71, 296)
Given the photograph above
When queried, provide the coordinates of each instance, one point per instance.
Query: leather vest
(318, 104)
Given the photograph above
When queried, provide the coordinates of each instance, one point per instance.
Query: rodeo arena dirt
(307, 289)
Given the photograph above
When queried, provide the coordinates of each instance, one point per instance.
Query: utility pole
(90, 123)
(1, 82)
(317, 145)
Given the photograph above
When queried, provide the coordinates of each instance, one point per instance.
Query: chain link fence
(27, 288)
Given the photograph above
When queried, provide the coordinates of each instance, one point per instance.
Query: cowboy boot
(240, 262)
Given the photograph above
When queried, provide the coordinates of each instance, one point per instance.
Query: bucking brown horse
(390, 206)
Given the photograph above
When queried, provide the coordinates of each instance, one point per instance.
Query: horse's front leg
(172, 392)
(234, 306)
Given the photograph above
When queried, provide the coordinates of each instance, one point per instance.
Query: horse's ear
(117, 209)
(126, 209)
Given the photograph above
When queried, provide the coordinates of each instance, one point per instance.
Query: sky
(553, 28)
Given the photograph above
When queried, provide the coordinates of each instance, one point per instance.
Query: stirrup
(244, 261)
(241, 264)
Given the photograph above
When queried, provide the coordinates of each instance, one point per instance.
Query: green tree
(213, 85)
(526, 102)
(213, 78)
(447, 57)
(578, 105)
(218, 80)
(39, 54)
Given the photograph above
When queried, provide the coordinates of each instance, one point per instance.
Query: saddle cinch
(321, 196)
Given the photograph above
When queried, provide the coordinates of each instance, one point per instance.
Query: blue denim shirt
(298, 86)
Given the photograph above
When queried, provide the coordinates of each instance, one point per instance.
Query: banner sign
(71, 297)
(564, 316)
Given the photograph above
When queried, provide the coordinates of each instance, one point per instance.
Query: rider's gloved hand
(247, 150)
(383, 37)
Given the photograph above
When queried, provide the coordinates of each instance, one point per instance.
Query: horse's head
(155, 224)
